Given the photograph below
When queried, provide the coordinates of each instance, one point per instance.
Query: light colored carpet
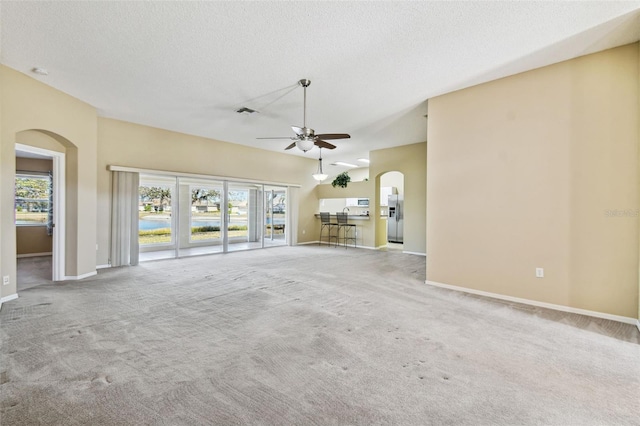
(308, 336)
(33, 271)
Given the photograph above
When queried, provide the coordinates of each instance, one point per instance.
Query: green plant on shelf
(341, 180)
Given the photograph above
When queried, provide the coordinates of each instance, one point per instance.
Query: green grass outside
(198, 233)
(35, 217)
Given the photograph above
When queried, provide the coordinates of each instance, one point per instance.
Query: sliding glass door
(184, 216)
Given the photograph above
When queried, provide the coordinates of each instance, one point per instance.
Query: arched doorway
(44, 146)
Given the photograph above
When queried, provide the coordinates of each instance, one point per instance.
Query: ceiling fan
(305, 137)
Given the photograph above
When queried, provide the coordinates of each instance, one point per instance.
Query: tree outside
(31, 199)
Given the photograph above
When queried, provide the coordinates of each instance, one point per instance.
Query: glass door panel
(244, 212)
(202, 218)
(275, 202)
(157, 224)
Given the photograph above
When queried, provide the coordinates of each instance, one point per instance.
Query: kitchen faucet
(346, 208)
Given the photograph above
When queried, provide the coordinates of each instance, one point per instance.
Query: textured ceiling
(187, 66)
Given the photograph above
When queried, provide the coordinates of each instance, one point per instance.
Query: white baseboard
(308, 243)
(33, 255)
(80, 277)
(103, 266)
(324, 243)
(562, 308)
(8, 298)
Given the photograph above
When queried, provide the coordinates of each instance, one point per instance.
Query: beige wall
(357, 175)
(33, 239)
(393, 179)
(132, 145)
(540, 170)
(34, 165)
(4, 177)
(26, 104)
(410, 160)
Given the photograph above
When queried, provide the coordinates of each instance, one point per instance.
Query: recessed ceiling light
(342, 163)
(363, 160)
(40, 71)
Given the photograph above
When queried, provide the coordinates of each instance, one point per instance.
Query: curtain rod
(114, 168)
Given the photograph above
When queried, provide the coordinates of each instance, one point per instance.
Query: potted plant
(341, 180)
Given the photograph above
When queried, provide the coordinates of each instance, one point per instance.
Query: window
(205, 213)
(155, 218)
(33, 203)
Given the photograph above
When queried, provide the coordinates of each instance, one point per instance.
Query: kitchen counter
(350, 217)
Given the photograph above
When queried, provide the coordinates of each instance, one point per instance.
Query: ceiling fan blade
(298, 130)
(279, 137)
(334, 136)
(323, 144)
(290, 146)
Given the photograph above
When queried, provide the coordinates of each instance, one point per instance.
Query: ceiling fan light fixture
(304, 145)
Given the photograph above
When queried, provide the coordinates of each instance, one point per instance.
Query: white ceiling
(187, 66)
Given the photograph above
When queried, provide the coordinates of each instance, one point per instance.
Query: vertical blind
(294, 205)
(124, 218)
(50, 209)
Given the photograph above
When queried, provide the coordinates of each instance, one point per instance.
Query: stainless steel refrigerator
(395, 221)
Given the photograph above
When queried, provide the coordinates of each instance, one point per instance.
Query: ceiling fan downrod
(304, 83)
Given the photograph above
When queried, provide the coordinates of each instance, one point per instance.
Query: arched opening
(390, 226)
(44, 242)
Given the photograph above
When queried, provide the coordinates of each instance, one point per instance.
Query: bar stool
(325, 223)
(348, 229)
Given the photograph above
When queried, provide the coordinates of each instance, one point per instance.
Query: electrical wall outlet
(5, 280)
(539, 272)
(304, 231)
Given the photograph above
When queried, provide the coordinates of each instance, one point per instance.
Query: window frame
(159, 181)
(24, 174)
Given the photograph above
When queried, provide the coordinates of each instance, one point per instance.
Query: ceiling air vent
(246, 110)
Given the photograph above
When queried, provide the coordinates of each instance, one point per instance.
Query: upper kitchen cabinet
(385, 191)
